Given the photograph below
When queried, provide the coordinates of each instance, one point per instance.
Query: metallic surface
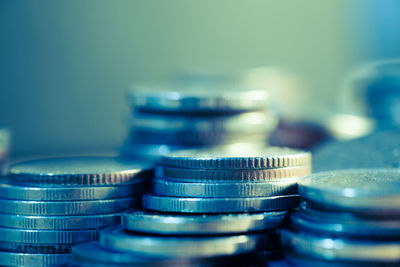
(65, 207)
(59, 222)
(184, 247)
(232, 157)
(219, 205)
(167, 187)
(170, 224)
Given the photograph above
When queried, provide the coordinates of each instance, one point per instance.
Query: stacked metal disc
(197, 113)
(221, 207)
(47, 206)
(348, 218)
(4, 148)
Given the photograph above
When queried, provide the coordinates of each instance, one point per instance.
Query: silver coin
(33, 259)
(13, 235)
(362, 228)
(195, 139)
(357, 190)
(167, 187)
(181, 247)
(59, 222)
(341, 249)
(151, 222)
(89, 207)
(238, 157)
(248, 122)
(197, 98)
(219, 205)
(11, 190)
(78, 171)
(240, 175)
(36, 248)
(92, 254)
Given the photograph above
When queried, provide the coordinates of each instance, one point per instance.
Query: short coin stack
(348, 218)
(209, 207)
(47, 206)
(185, 115)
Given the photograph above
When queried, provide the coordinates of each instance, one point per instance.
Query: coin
(13, 235)
(237, 157)
(357, 190)
(78, 171)
(65, 207)
(181, 247)
(316, 222)
(225, 97)
(167, 187)
(377, 150)
(172, 224)
(245, 175)
(11, 190)
(219, 205)
(92, 254)
(248, 122)
(59, 222)
(341, 249)
(33, 259)
(36, 248)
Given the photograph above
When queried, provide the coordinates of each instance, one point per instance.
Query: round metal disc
(39, 260)
(10, 190)
(59, 222)
(219, 205)
(167, 187)
(166, 224)
(79, 171)
(215, 97)
(181, 247)
(237, 157)
(92, 254)
(341, 249)
(65, 207)
(317, 223)
(358, 190)
(238, 175)
(13, 235)
(248, 122)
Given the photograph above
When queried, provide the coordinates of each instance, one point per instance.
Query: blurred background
(66, 65)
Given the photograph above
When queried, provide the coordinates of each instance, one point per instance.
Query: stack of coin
(47, 206)
(184, 115)
(4, 148)
(221, 207)
(348, 217)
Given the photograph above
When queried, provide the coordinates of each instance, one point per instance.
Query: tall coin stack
(47, 206)
(4, 148)
(192, 114)
(220, 207)
(348, 218)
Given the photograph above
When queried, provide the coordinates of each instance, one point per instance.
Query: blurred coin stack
(348, 218)
(4, 148)
(47, 206)
(193, 113)
(218, 207)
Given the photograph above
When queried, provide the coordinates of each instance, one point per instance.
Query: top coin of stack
(49, 205)
(196, 113)
(349, 216)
